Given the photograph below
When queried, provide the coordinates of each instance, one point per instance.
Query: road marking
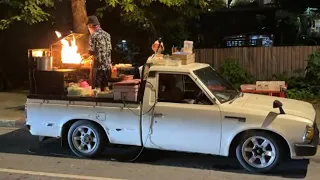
(35, 173)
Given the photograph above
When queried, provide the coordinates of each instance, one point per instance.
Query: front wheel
(86, 139)
(259, 152)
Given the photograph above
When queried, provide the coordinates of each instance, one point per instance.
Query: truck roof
(182, 68)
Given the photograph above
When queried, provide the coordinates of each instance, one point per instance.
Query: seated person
(174, 93)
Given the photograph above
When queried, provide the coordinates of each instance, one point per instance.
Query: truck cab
(182, 103)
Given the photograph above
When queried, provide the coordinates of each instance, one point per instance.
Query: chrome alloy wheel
(258, 152)
(84, 139)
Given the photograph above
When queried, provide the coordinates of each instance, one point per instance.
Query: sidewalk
(12, 108)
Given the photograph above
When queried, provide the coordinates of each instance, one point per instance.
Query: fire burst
(69, 52)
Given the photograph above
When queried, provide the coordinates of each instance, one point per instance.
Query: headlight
(308, 135)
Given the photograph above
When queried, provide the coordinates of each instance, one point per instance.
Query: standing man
(100, 48)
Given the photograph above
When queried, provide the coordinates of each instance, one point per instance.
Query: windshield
(221, 88)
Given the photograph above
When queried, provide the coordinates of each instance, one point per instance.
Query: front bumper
(27, 126)
(308, 149)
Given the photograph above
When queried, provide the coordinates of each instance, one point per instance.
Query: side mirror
(278, 104)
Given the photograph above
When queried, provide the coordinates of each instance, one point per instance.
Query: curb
(18, 123)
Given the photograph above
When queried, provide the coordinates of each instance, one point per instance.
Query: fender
(225, 148)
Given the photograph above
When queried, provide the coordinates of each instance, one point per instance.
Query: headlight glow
(309, 133)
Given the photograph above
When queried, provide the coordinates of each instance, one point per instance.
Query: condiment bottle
(114, 72)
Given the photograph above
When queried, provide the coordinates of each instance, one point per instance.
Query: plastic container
(84, 84)
(105, 94)
(188, 46)
(74, 91)
(87, 91)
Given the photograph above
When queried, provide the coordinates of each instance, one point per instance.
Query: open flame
(69, 52)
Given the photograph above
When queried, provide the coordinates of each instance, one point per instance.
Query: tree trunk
(79, 14)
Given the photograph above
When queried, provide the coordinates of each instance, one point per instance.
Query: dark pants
(101, 78)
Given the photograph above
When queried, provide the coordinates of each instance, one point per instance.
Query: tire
(86, 139)
(259, 152)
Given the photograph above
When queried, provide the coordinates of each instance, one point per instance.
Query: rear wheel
(259, 152)
(86, 139)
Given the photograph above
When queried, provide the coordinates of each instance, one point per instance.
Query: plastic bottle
(114, 72)
(188, 46)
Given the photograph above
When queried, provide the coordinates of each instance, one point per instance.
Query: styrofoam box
(126, 90)
(245, 87)
(270, 85)
(126, 93)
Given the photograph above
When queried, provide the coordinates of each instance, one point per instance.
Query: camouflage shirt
(100, 45)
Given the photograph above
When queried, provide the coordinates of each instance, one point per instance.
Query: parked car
(178, 109)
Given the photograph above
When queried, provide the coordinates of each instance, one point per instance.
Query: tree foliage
(136, 10)
(147, 14)
(163, 18)
(297, 6)
(29, 11)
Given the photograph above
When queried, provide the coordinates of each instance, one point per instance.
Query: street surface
(22, 158)
(12, 105)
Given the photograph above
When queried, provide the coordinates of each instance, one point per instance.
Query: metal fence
(261, 62)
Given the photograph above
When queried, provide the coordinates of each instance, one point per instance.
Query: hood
(290, 106)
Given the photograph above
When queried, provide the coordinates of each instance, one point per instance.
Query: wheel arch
(66, 126)
(284, 143)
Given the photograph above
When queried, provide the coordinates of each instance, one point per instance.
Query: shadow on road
(16, 108)
(21, 142)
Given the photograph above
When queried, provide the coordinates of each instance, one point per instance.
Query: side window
(179, 88)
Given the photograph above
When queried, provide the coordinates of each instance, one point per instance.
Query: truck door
(184, 118)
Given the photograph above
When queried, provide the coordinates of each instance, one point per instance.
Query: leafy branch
(29, 11)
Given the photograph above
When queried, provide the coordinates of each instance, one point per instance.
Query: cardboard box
(186, 58)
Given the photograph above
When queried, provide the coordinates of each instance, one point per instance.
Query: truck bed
(46, 115)
(86, 99)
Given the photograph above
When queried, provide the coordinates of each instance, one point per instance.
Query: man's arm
(109, 48)
(109, 42)
(92, 47)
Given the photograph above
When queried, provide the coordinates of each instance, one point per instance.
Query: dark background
(209, 31)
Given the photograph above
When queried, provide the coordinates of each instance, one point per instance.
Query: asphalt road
(21, 157)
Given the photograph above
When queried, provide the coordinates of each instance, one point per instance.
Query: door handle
(158, 115)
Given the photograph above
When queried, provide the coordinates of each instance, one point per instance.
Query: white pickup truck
(187, 108)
